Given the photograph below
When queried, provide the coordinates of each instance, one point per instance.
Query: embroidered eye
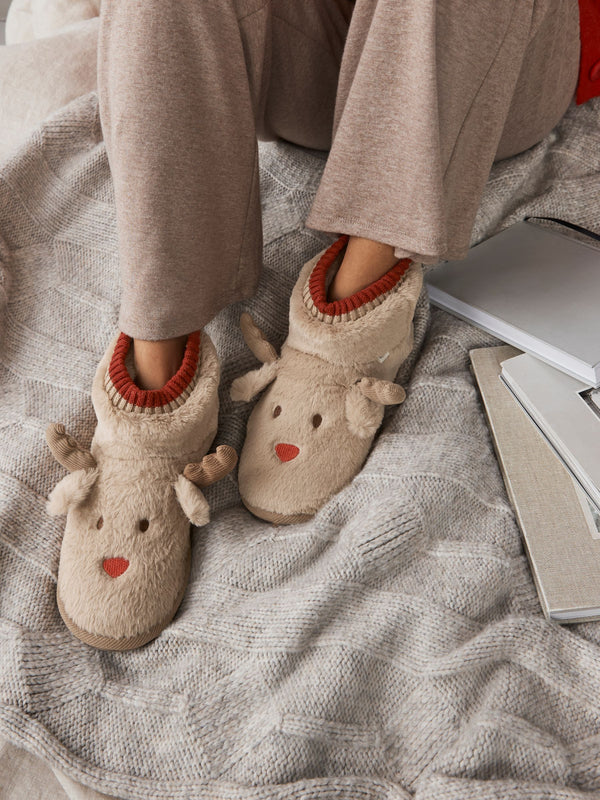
(100, 522)
(277, 411)
(143, 525)
(317, 420)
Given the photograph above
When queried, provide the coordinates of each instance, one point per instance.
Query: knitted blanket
(392, 647)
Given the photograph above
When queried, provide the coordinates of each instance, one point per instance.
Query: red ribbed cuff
(153, 398)
(317, 283)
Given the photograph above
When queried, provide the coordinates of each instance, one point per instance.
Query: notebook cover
(531, 287)
(555, 520)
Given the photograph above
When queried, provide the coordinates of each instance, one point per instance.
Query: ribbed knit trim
(123, 392)
(358, 304)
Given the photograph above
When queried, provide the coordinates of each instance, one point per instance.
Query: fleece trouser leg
(185, 89)
(430, 93)
(177, 118)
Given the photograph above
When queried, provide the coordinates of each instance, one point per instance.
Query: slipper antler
(212, 468)
(67, 450)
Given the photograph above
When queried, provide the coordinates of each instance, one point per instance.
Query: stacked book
(539, 291)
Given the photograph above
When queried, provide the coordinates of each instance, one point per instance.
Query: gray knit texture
(392, 647)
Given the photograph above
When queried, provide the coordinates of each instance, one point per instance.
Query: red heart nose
(115, 566)
(285, 452)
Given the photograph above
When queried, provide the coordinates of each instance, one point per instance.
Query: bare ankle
(364, 261)
(156, 362)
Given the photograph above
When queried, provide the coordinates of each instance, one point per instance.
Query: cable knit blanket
(393, 647)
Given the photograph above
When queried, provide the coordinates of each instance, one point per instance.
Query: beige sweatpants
(414, 99)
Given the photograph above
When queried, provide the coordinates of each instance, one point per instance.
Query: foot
(364, 262)
(156, 362)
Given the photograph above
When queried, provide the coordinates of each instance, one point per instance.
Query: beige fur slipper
(310, 433)
(129, 500)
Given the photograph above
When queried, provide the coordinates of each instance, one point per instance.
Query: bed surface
(393, 647)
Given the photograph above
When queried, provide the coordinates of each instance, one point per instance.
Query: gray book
(560, 527)
(533, 288)
(567, 413)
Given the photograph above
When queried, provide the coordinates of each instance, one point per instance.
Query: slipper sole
(275, 517)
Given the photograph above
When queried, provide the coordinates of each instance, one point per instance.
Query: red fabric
(152, 398)
(286, 452)
(115, 566)
(318, 279)
(589, 65)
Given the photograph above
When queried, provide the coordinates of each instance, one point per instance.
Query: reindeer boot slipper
(311, 431)
(130, 499)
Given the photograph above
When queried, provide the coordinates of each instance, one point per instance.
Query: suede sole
(275, 517)
(125, 642)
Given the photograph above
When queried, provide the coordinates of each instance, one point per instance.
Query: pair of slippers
(130, 499)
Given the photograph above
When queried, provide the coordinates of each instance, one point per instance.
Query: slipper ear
(365, 401)
(192, 501)
(363, 415)
(249, 385)
(72, 490)
(256, 340)
(387, 393)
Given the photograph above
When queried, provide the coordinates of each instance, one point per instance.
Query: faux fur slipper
(310, 433)
(129, 500)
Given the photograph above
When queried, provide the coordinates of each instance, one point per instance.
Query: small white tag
(382, 358)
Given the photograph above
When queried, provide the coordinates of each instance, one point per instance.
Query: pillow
(37, 77)
(36, 19)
